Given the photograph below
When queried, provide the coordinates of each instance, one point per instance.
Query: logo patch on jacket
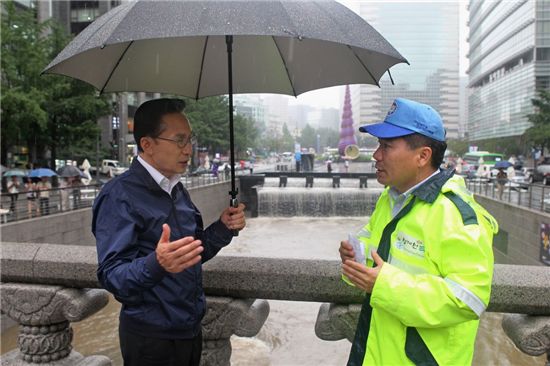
(409, 244)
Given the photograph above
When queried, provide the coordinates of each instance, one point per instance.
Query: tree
(458, 146)
(210, 121)
(43, 112)
(287, 139)
(539, 133)
(308, 137)
(23, 50)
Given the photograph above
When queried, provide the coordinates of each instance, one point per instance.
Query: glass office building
(427, 35)
(509, 60)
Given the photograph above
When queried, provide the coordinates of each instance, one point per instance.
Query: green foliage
(43, 112)
(458, 146)
(328, 137)
(209, 118)
(308, 137)
(287, 142)
(539, 133)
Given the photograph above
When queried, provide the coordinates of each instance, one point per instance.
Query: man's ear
(146, 143)
(424, 156)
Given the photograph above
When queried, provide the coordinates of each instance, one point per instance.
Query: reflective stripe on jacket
(437, 279)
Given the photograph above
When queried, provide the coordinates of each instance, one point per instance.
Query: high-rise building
(509, 60)
(427, 34)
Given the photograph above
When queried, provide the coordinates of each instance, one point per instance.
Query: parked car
(518, 181)
(542, 171)
(528, 173)
(109, 167)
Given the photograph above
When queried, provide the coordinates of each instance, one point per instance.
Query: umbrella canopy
(503, 164)
(179, 47)
(206, 48)
(14, 172)
(42, 172)
(69, 171)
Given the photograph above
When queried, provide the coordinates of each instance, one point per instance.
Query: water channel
(288, 338)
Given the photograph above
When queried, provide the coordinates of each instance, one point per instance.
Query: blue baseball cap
(406, 117)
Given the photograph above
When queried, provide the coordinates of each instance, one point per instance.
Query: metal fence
(29, 204)
(26, 205)
(533, 196)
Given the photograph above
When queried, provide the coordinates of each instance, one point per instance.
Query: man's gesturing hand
(362, 276)
(177, 255)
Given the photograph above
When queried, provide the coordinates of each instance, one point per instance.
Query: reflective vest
(437, 280)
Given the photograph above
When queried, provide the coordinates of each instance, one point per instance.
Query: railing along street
(535, 196)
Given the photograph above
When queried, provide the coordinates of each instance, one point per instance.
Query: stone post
(531, 334)
(44, 314)
(225, 317)
(335, 322)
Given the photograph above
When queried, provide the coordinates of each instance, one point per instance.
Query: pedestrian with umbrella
(14, 186)
(151, 242)
(71, 180)
(208, 48)
(502, 179)
(43, 187)
(227, 47)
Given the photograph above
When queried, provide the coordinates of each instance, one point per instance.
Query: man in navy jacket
(151, 242)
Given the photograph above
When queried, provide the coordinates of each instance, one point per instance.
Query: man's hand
(362, 276)
(346, 251)
(178, 255)
(233, 218)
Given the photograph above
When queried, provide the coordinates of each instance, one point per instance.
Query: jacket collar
(139, 171)
(429, 191)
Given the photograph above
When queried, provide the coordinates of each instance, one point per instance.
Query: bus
(472, 160)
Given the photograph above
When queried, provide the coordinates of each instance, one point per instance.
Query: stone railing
(46, 286)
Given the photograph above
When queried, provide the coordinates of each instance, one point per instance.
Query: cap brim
(385, 130)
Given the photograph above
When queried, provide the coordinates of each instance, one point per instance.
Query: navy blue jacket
(128, 215)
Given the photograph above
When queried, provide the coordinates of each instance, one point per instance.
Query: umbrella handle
(234, 202)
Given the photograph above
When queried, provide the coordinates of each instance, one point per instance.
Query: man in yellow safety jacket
(428, 249)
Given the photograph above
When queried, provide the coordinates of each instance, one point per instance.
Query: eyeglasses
(182, 142)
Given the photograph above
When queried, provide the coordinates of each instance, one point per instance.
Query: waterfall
(320, 201)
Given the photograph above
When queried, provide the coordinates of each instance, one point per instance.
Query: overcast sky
(330, 97)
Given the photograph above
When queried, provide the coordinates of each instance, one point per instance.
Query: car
(200, 171)
(518, 181)
(528, 173)
(542, 171)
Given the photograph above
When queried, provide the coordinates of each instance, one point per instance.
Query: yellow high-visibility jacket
(437, 278)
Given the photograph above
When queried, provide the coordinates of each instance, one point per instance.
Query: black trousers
(145, 351)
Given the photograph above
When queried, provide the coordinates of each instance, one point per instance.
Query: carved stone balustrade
(225, 317)
(515, 289)
(44, 314)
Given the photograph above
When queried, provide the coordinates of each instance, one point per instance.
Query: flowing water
(321, 201)
(287, 338)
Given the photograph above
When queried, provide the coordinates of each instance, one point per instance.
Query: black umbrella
(205, 48)
(69, 171)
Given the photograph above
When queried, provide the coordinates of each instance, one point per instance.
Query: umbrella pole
(234, 202)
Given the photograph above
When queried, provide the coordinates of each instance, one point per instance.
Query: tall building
(427, 34)
(509, 60)
(251, 106)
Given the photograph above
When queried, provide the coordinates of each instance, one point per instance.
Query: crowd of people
(38, 193)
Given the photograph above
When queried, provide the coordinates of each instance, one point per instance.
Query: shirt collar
(166, 184)
(395, 195)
